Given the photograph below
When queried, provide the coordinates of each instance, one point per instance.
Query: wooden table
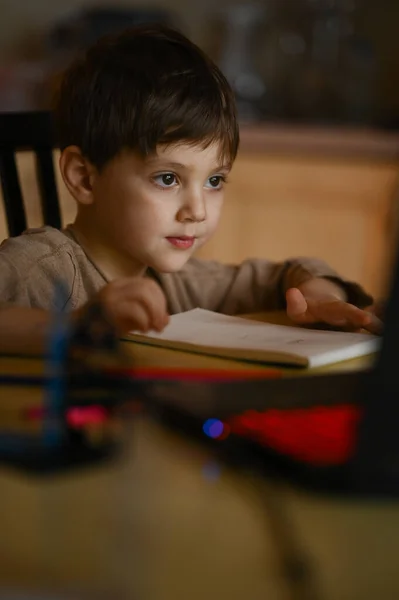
(165, 523)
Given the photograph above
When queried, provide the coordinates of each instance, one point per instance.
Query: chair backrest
(28, 131)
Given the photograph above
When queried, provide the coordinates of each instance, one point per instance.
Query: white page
(207, 328)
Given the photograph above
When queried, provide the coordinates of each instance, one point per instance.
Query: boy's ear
(78, 174)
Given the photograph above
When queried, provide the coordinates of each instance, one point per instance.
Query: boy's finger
(136, 316)
(133, 316)
(151, 298)
(375, 325)
(342, 314)
(296, 306)
(377, 309)
(155, 305)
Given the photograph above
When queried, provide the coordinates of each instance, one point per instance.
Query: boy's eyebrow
(224, 167)
(177, 165)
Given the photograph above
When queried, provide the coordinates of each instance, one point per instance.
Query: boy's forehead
(189, 154)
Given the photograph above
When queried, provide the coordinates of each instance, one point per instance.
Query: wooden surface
(334, 142)
(162, 523)
(281, 206)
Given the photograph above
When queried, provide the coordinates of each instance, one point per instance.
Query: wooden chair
(28, 131)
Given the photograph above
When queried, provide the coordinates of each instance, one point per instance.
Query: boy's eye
(216, 181)
(165, 179)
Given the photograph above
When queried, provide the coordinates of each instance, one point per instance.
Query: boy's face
(156, 212)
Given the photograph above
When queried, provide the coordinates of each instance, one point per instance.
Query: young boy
(148, 132)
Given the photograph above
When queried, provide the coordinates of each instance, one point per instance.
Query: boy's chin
(170, 264)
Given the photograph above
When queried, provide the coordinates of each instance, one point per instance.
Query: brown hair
(141, 88)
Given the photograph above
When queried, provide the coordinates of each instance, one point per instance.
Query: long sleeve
(25, 281)
(44, 268)
(254, 285)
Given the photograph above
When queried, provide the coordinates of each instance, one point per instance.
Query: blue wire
(53, 422)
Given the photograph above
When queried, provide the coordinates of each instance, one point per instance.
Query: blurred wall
(23, 21)
(20, 19)
(380, 20)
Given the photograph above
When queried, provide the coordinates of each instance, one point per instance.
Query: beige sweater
(32, 264)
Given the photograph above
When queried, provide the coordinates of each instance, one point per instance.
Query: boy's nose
(193, 208)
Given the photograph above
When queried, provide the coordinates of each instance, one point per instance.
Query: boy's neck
(109, 262)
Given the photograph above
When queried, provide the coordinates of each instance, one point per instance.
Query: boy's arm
(254, 285)
(29, 278)
(23, 330)
(135, 303)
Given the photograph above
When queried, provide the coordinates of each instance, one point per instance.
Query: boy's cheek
(213, 221)
(204, 239)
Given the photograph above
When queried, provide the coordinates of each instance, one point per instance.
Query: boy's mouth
(182, 242)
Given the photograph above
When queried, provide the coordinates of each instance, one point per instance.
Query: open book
(207, 332)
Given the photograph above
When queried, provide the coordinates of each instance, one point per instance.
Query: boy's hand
(135, 303)
(323, 301)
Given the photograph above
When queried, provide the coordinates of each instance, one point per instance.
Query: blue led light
(213, 428)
